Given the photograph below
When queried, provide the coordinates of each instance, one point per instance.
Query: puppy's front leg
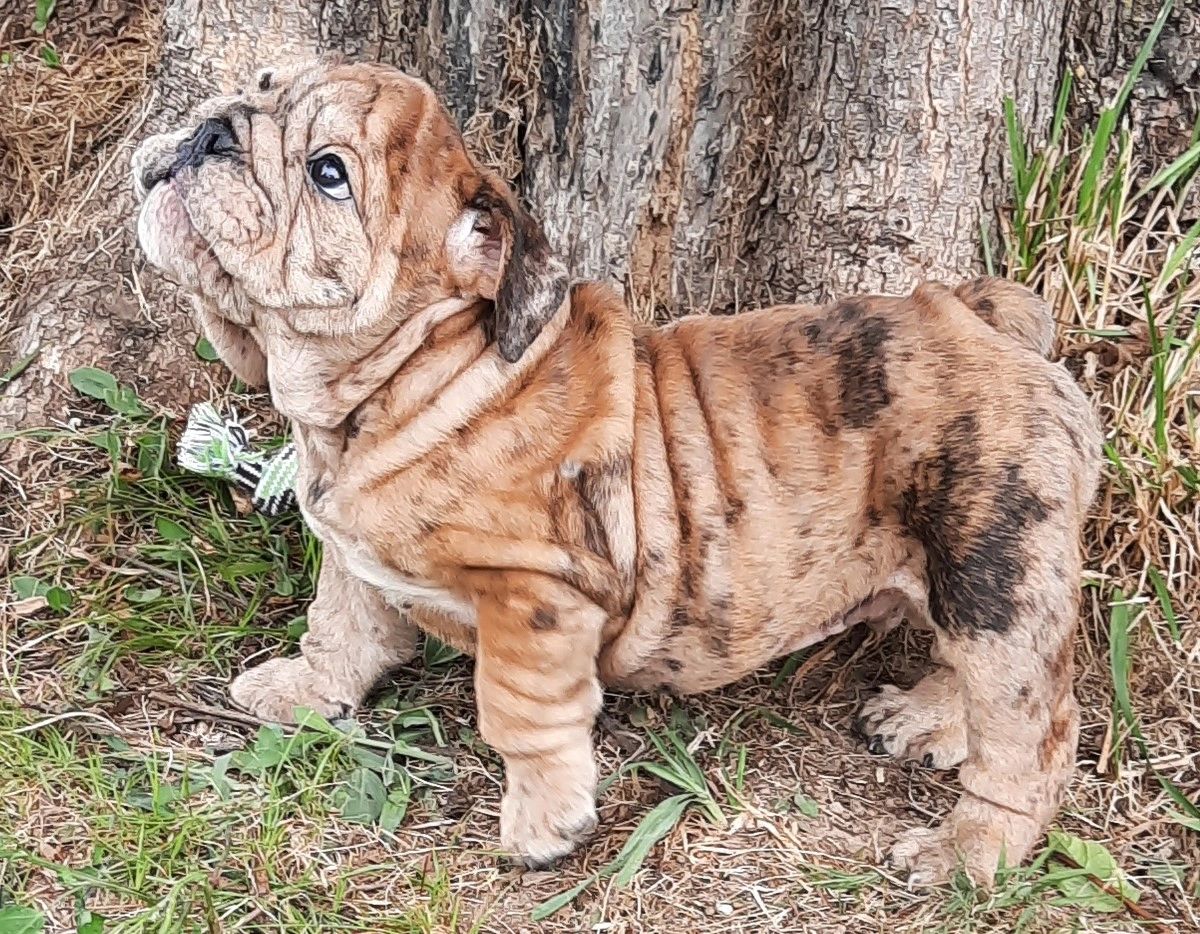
(538, 695)
(354, 636)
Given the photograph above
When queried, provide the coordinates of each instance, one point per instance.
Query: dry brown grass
(54, 119)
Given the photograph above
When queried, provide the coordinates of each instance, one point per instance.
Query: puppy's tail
(1011, 309)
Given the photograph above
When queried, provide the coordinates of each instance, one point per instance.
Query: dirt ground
(132, 798)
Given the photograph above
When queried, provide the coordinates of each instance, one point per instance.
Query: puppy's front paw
(274, 690)
(546, 813)
(926, 724)
(973, 838)
(926, 855)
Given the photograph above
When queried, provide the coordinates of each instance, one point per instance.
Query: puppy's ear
(236, 347)
(517, 269)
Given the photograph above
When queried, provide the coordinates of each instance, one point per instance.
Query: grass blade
(1164, 600)
(1120, 624)
(560, 901)
(653, 827)
(1183, 249)
(1180, 168)
(1060, 109)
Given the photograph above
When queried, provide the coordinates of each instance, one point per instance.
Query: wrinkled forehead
(320, 104)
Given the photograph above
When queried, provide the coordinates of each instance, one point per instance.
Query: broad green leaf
(59, 599)
(1093, 859)
(42, 11)
(171, 531)
(25, 587)
(93, 382)
(206, 351)
(142, 594)
(805, 805)
(396, 806)
(14, 920)
(362, 798)
(297, 627)
(124, 401)
(311, 720)
(107, 441)
(216, 776)
(89, 923)
(266, 752)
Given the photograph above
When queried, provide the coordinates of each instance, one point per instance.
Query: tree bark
(707, 155)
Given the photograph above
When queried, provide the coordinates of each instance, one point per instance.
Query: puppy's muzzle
(213, 138)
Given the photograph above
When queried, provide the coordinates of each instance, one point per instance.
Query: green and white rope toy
(219, 446)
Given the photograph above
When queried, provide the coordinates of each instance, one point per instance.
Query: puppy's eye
(328, 173)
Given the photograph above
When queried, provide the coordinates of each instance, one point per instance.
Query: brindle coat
(577, 500)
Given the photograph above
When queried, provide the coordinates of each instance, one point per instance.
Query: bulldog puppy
(513, 464)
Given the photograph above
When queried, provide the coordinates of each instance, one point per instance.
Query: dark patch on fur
(352, 427)
(719, 627)
(856, 340)
(589, 321)
(864, 388)
(544, 620)
(594, 538)
(973, 575)
(1072, 435)
(326, 268)
(733, 511)
(532, 284)
(984, 307)
(592, 485)
(1056, 736)
(317, 489)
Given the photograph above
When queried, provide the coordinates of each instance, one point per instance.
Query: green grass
(153, 843)
(150, 581)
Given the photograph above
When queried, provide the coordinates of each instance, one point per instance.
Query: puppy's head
(341, 199)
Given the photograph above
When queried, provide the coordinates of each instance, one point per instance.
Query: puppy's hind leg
(354, 637)
(1006, 611)
(926, 723)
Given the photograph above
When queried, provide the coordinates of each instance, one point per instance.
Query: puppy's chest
(377, 560)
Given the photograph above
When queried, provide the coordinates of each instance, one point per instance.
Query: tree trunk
(708, 155)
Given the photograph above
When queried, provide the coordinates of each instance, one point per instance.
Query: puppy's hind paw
(926, 724)
(975, 838)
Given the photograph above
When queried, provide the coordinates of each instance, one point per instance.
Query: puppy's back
(1011, 309)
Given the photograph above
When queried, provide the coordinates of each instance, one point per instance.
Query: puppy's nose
(214, 137)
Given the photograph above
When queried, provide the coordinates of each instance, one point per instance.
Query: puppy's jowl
(514, 465)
